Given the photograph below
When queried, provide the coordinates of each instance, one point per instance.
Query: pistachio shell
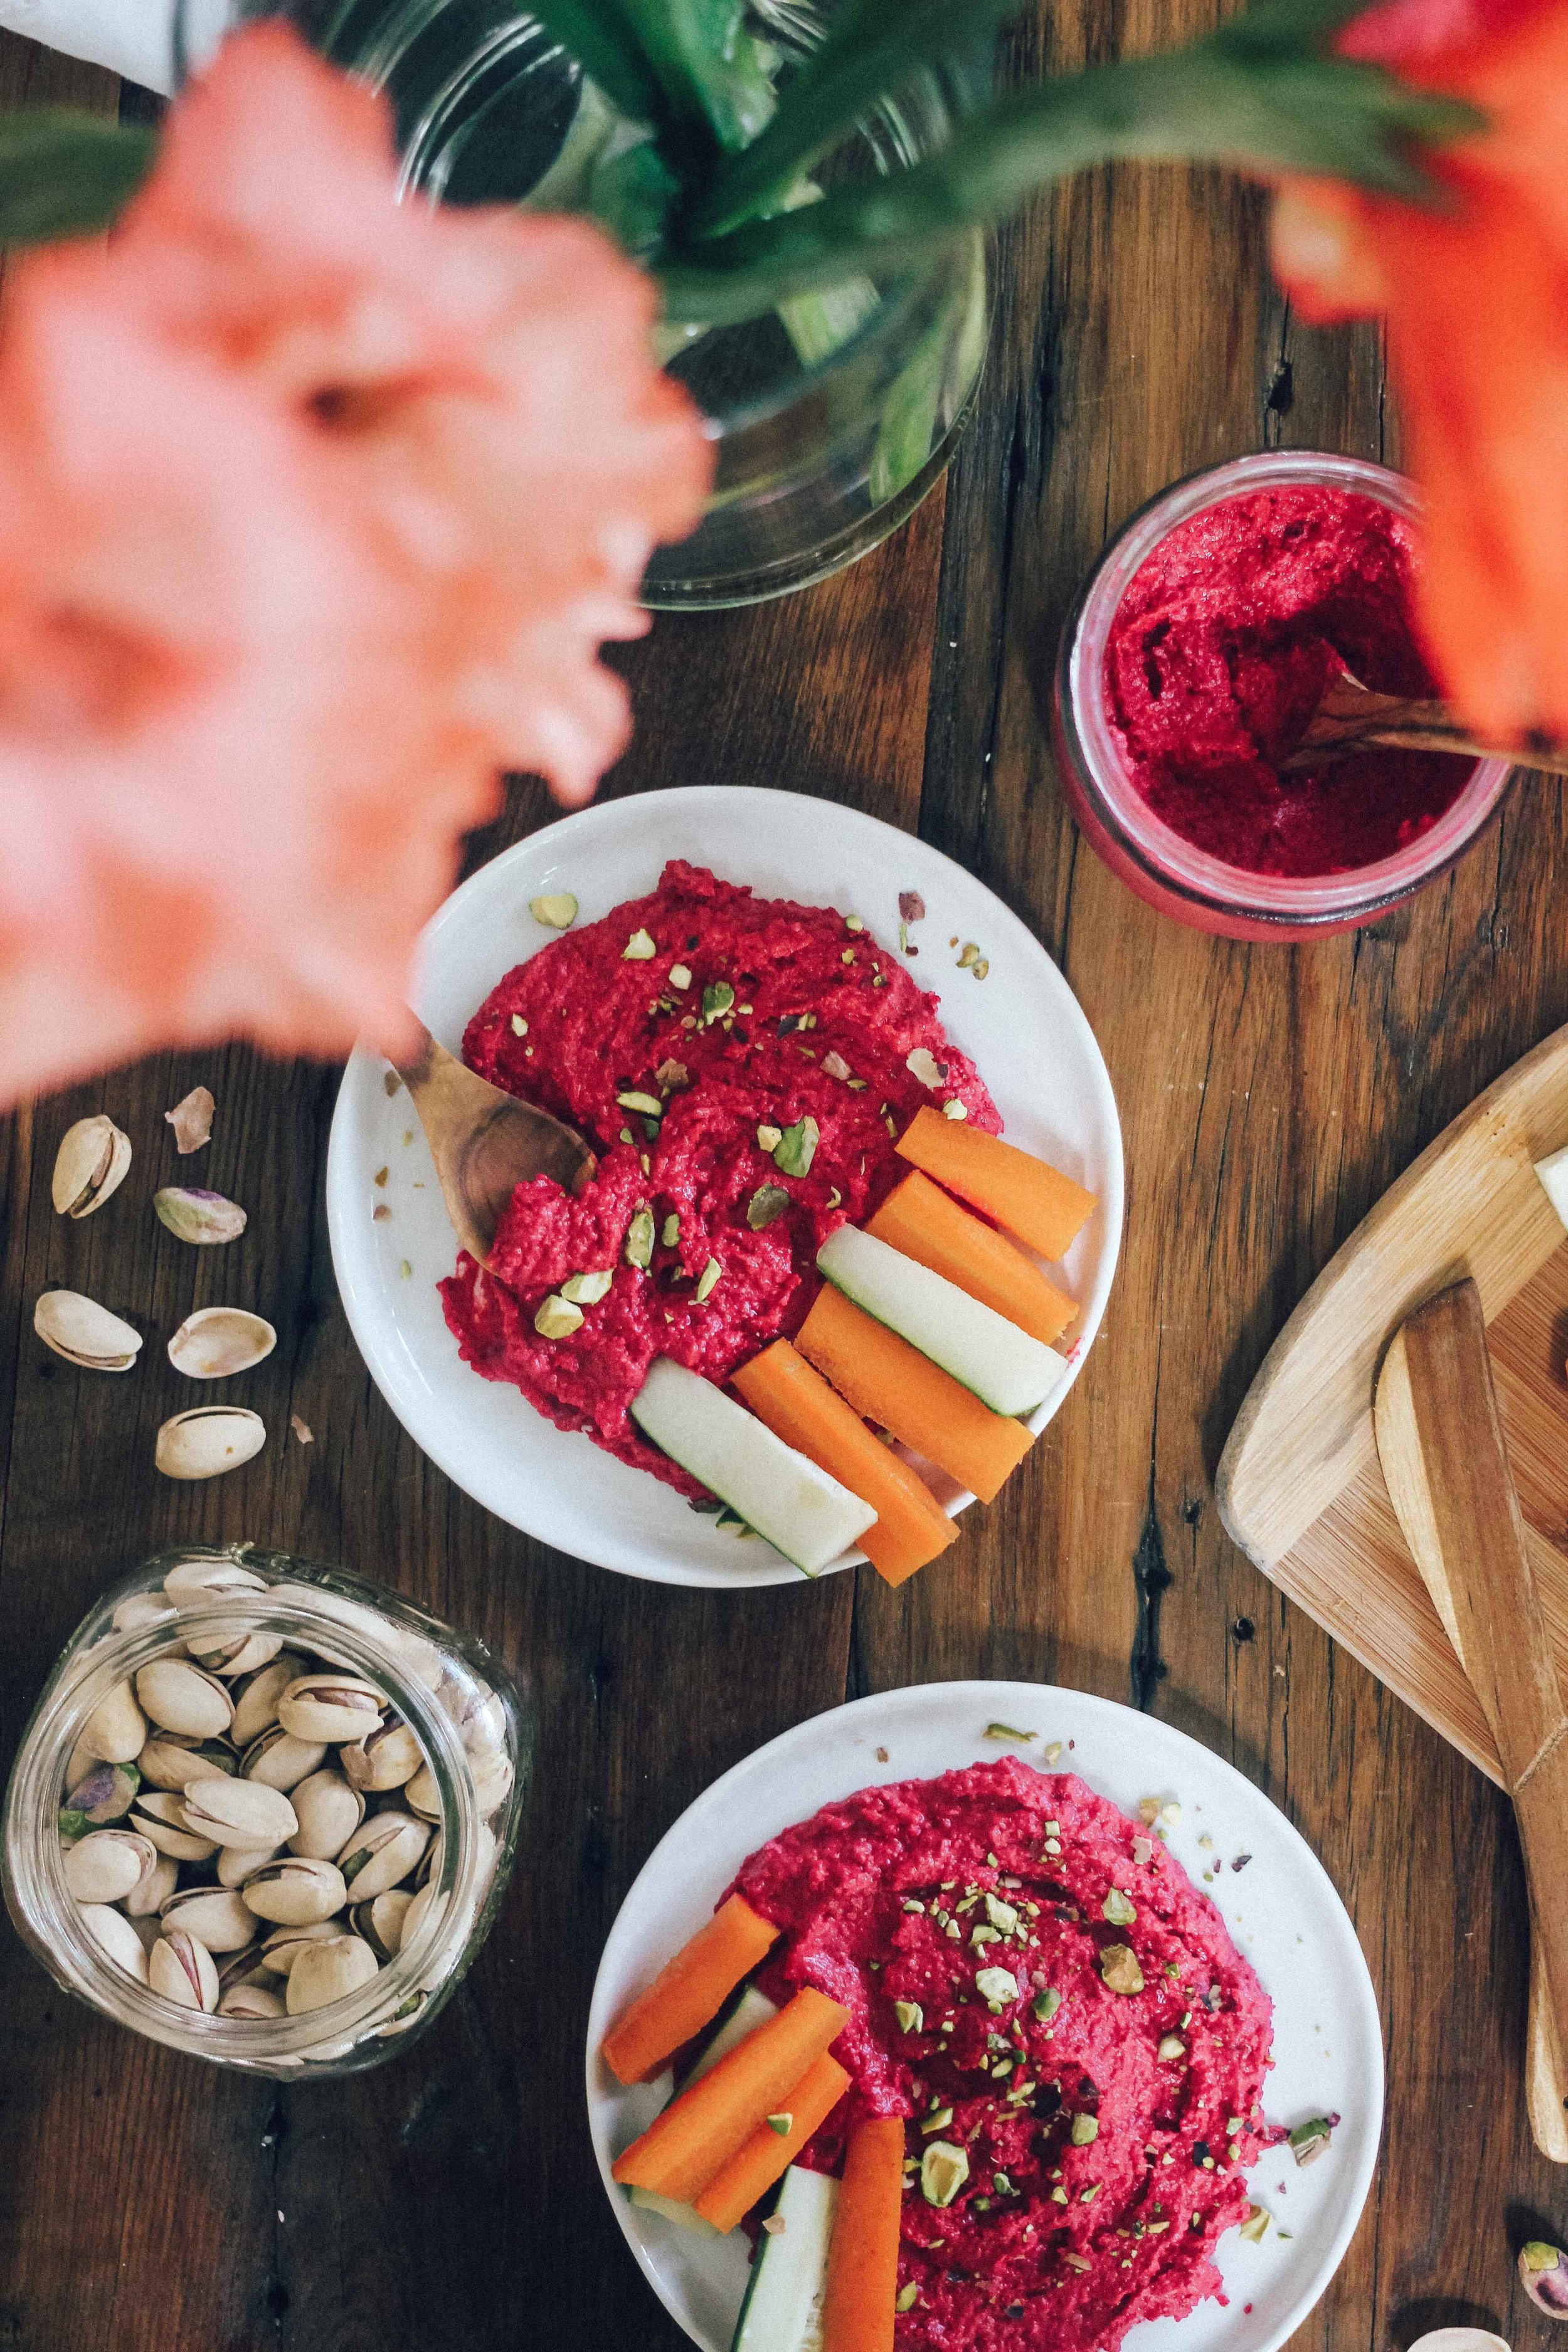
(256, 1697)
(113, 1932)
(140, 1610)
(386, 1759)
(222, 1579)
(216, 1342)
(380, 1921)
(84, 1333)
(154, 1888)
(192, 1119)
(215, 1915)
(279, 1760)
(168, 1760)
(329, 1972)
(233, 1656)
(387, 1851)
(178, 1697)
(422, 1796)
(161, 1820)
(209, 1440)
(203, 1218)
(295, 1891)
(427, 1902)
(328, 1812)
(251, 2001)
(284, 1946)
(244, 1813)
(116, 1730)
(107, 1866)
(90, 1163)
(333, 1705)
(235, 1862)
(181, 1969)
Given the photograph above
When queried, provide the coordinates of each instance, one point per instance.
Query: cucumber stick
(1005, 1368)
(803, 1512)
(782, 2309)
(742, 2015)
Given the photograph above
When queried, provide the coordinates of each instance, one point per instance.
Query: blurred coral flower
(1476, 289)
(314, 509)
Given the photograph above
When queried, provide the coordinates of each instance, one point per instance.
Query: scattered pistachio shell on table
(244, 1813)
(105, 1866)
(84, 1333)
(209, 1440)
(89, 1165)
(330, 1810)
(331, 1706)
(182, 1970)
(295, 1891)
(279, 1760)
(180, 1696)
(193, 1214)
(1544, 2274)
(328, 1971)
(217, 1343)
(215, 1915)
(112, 1932)
(161, 1820)
(301, 1429)
(191, 1121)
(116, 1730)
(383, 1852)
(253, 2001)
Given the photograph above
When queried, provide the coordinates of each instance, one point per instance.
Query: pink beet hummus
(749, 1013)
(1100, 2173)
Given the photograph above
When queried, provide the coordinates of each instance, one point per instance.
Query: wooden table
(1269, 1094)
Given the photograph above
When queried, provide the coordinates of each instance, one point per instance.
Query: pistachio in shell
(216, 1343)
(215, 1915)
(209, 1440)
(254, 2002)
(168, 1759)
(182, 1970)
(296, 1890)
(329, 1812)
(387, 1849)
(280, 1761)
(235, 1862)
(84, 1333)
(387, 1758)
(204, 1219)
(116, 1730)
(332, 1706)
(223, 1579)
(161, 1820)
(283, 1947)
(244, 1813)
(234, 1655)
(177, 1696)
(89, 1165)
(113, 1933)
(380, 1921)
(256, 1697)
(105, 1866)
(154, 1888)
(328, 1971)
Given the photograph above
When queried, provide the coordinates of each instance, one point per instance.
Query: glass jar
(1163, 868)
(235, 1613)
(833, 415)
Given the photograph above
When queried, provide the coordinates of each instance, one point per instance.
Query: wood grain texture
(1269, 1097)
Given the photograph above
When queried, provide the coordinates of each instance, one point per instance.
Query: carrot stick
(684, 2148)
(688, 1991)
(912, 1528)
(927, 1225)
(758, 2162)
(889, 1382)
(863, 2251)
(1038, 1202)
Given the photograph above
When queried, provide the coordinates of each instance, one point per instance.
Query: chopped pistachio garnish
(943, 2171)
(981, 969)
(983, 1935)
(671, 1233)
(1254, 2229)
(1172, 2046)
(1054, 1752)
(848, 956)
(587, 1289)
(639, 1239)
(558, 909)
(1085, 2130)
(783, 2124)
(908, 2297)
(835, 1197)
(834, 1066)
(1008, 1731)
(1119, 1909)
(556, 1318)
(1046, 2004)
(995, 1986)
(706, 1281)
(638, 948)
(922, 1063)
(1309, 2140)
(518, 1025)
(938, 2120)
(769, 1138)
(910, 2016)
(955, 1109)
(970, 952)
(1119, 1971)
(796, 1147)
(767, 1203)
(718, 998)
(1001, 1915)
(680, 975)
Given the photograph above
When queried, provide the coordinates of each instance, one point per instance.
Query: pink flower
(313, 509)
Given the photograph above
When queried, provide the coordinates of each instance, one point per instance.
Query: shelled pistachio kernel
(104, 1793)
(331, 1706)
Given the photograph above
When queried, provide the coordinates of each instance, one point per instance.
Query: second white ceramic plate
(1281, 1908)
(1021, 1024)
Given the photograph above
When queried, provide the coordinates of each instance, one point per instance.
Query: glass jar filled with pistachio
(264, 1812)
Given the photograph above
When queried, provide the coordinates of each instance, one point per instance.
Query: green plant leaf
(631, 194)
(1267, 114)
(604, 39)
(64, 174)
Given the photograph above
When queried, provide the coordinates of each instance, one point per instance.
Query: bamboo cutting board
(1299, 1485)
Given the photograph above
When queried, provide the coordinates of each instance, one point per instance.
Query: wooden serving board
(1299, 1488)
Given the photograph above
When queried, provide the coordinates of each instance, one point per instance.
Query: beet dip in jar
(1190, 667)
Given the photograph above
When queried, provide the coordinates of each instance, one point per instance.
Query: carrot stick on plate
(688, 1991)
(858, 2310)
(928, 1224)
(698, 2132)
(1024, 1195)
(773, 2147)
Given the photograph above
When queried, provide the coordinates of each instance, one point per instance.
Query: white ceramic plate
(1281, 1910)
(1021, 1025)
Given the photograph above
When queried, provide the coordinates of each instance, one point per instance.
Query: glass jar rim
(1090, 742)
(32, 1802)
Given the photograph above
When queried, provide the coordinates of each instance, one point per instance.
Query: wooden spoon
(1351, 717)
(1440, 1441)
(485, 1143)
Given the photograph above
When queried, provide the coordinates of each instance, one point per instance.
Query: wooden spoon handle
(1351, 717)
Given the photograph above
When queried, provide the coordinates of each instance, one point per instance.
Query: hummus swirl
(963, 1923)
(737, 1013)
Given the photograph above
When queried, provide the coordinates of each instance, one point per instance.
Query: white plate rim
(995, 1700)
(375, 1334)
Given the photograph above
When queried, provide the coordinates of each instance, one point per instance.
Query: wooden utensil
(485, 1143)
(1351, 718)
(1440, 1441)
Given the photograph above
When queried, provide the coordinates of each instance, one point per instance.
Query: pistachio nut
(179, 1696)
(195, 1215)
(233, 1654)
(215, 1915)
(380, 1922)
(154, 1888)
(104, 1793)
(252, 2001)
(283, 1947)
(422, 1797)
(171, 1759)
(209, 1440)
(279, 1760)
(182, 1970)
(161, 1818)
(140, 1610)
(235, 1862)
(104, 1866)
(79, 1763)
(295, 1890)
(332, 1706)
(1544, 2274)
(243, 1967)
(114, 1934)
(216, 1343)
(89, 1165)
(329, 1972)
(84, 1333)
(328, 1812)
(257, 1696)
(192, 1119)
(492, 1774)
(427, 1904)
(116, 1729)
(482, 1722)
(383, 1854)
(223, 1579)
(245, 1813)
(435, 1853)
(387, 1758)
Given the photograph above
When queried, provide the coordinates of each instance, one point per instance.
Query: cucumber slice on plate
(782, 2310)
(803, 1512)
(742, 2014)
(1005, 1368)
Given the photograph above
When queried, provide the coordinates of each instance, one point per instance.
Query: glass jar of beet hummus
(1189, 667)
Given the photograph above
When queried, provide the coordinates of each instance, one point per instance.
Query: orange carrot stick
(1036, 1202)
(684, 2148)
(688, 1991)
(912, 1528)
(927, 1224)
(863, 2253)
(758, 2162)
(889, 1382)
